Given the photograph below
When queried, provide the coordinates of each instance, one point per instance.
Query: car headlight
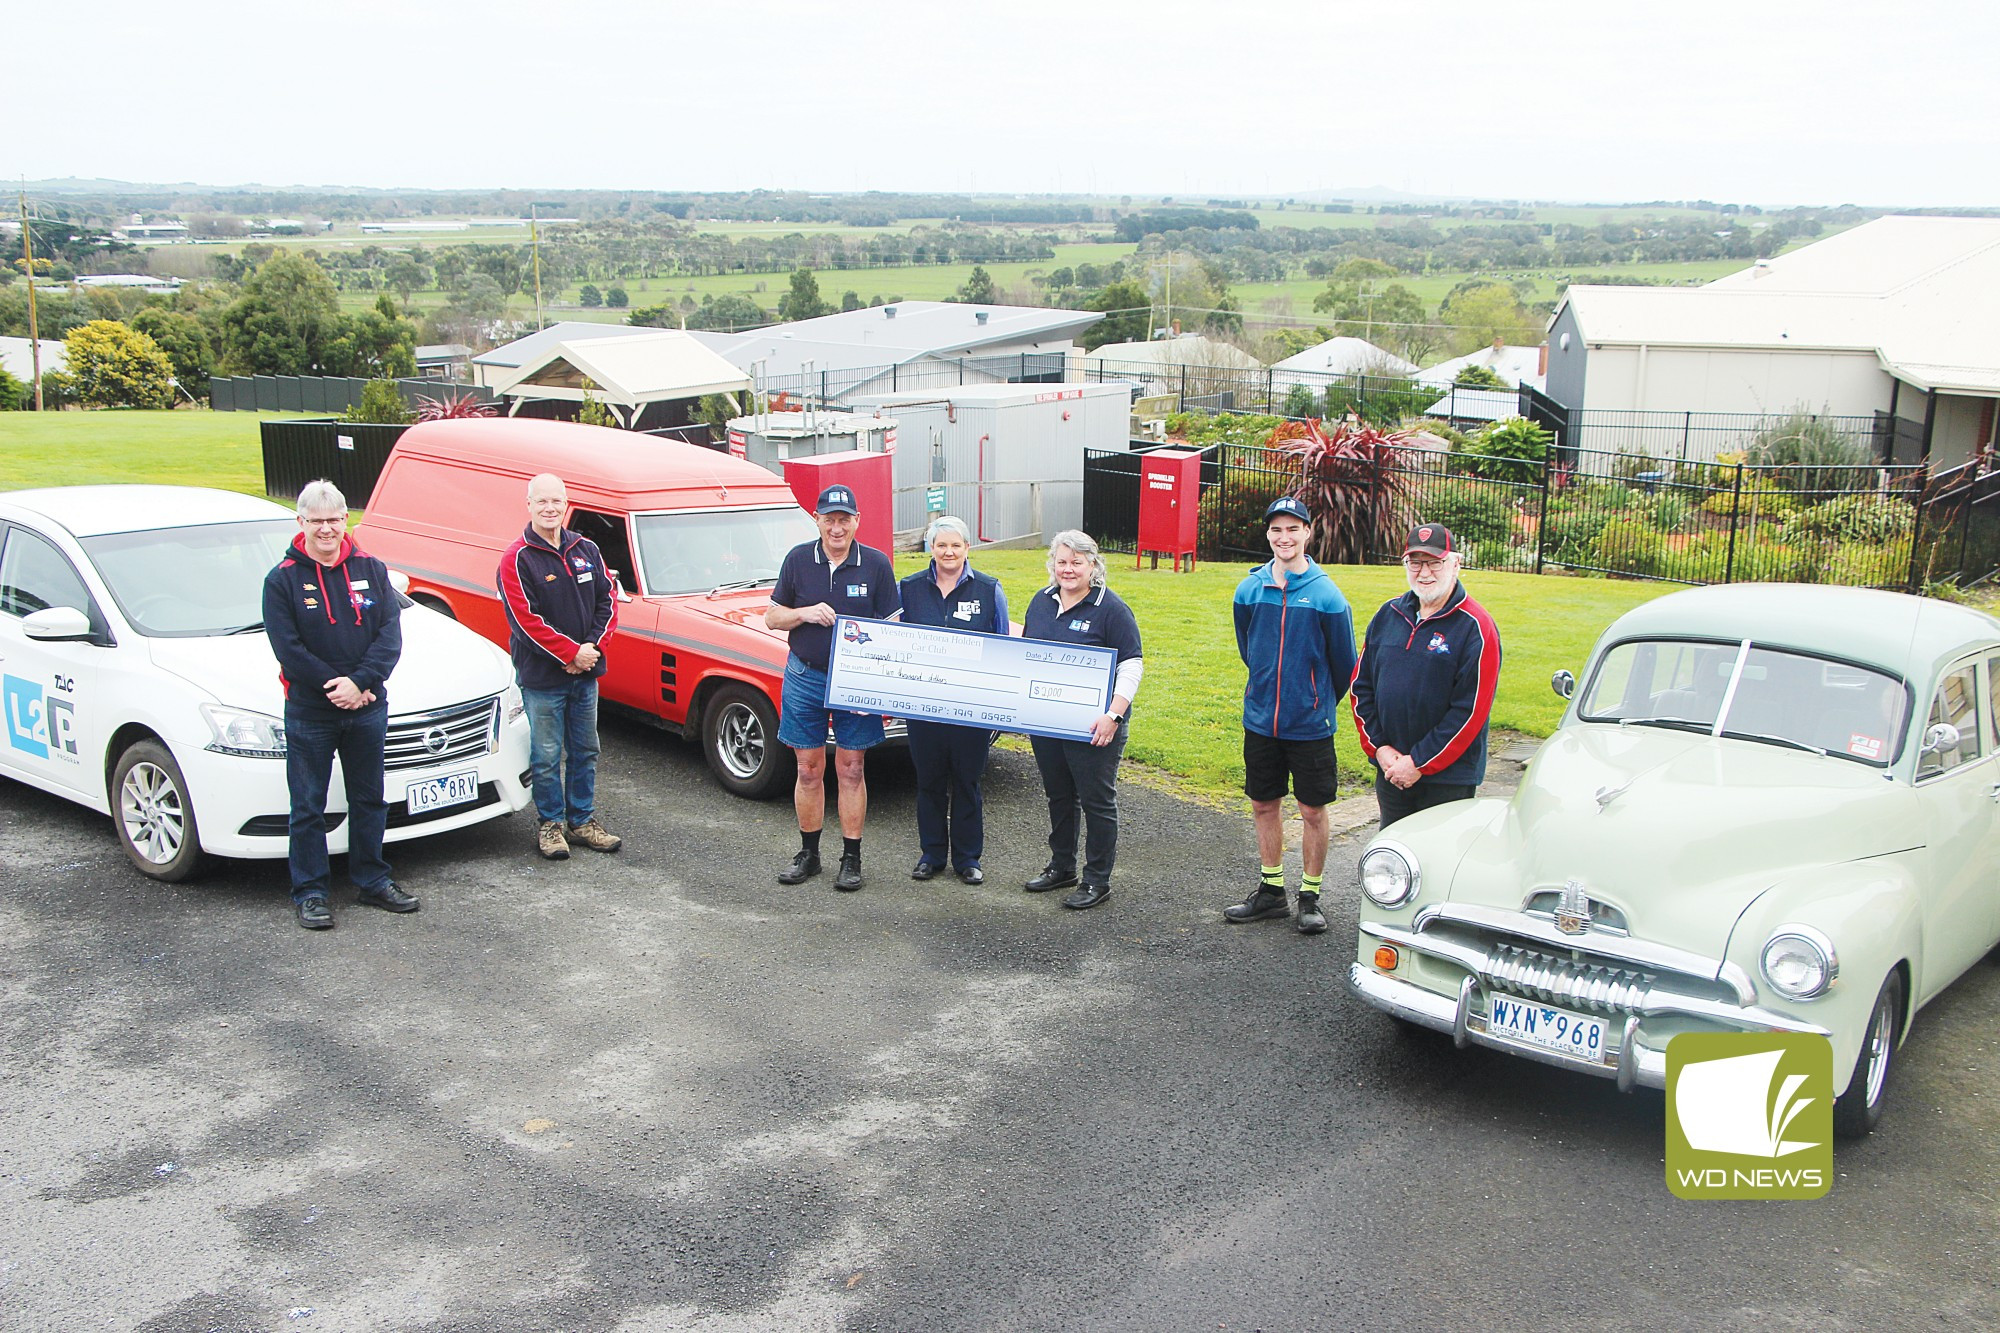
(240, 731)
(1799, 962)
(1389, 874)
(512, 705)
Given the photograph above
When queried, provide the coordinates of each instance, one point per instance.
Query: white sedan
(135, 679)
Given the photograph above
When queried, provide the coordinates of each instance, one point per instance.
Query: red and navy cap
(1430, 539)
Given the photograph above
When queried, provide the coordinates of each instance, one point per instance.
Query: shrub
(1513, 450)
(1377, 401)
(1817, 454)
(1630, 546)
(1501, 556)
(1301, 401)
(1201, 429)
(1354, 479)
(381, 403)
(14, 395)
(453, 407)
(1860, 518)
(1479, 377)
(1673, 510)
(112, 365)
(1473, 511)
(1761, 496)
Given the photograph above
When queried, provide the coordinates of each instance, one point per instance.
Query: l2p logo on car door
(37, 724)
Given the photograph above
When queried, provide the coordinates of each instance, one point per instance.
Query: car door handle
(1993, 792)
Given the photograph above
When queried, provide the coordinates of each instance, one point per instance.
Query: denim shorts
(802, 721)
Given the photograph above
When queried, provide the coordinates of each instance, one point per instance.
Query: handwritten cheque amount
(978, 680)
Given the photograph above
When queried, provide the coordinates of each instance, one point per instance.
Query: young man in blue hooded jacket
(1295, 633)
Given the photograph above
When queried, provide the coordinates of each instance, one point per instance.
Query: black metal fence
(323, 393)
(350, 454)
(1622, 515)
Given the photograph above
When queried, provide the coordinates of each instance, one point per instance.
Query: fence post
(1687, 427)
(1270, 391)
(1184, 406)
(1542, 522)
(1925, 499)
(1735, 517)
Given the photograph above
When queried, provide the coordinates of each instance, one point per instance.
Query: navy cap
(836, 500)
(1430, 539)
(1289, 504)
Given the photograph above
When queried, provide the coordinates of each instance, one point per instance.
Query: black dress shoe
(1087, 897)
(388, 897)
(1051, 878)
(803, 867)
(315, 913)
(849, 878)
(972, 874)
(925, 870)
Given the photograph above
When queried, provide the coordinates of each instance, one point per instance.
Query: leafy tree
(112, 365)
(617, 299)
(14, 395)
(803, 300)
(282, 323)
(850, 301)
(405, 276)
(1126, 308)
(592, 412)
(731, 312)
(1062, 277)
(589, 295)
(185, 340)
(1482, 311)
(381, 403)
(1478, 377)
(978, 289)
(374, 342)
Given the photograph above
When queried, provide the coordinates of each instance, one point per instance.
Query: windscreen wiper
(740, 584)
(254, 627)
(1769, 739)
(1671, 723)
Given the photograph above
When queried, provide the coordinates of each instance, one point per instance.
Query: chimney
(980, 315)
(1542, 362)
(889, 311)
(1498, 342)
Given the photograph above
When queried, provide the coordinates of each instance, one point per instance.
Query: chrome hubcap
(1879, 1037)
(739, 741)
(154, 816)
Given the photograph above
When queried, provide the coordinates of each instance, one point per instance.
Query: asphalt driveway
(660, 1091)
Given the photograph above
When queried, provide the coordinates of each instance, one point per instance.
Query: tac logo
(37, 724)
(1080, 626)
(1749, 1115)
(1437, 644)
(854, 634)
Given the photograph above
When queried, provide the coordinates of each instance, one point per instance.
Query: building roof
(1919, 293)
(1476, 405)
(525, 349)
(1516, 365)
(443, 352)
(1190, 349)
(18, 360)
(943, 328)
(776, 354)
(642, 366)
(1346, 356)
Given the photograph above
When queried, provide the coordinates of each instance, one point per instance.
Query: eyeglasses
(340, 522)
(1419, 566)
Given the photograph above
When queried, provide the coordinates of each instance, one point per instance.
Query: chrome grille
(422, 740)
(1604, 988)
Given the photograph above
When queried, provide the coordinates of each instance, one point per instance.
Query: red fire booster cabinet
(1169, 505)
(868, 475)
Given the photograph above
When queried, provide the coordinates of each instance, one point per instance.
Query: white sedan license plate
(437, 793)
(1537, 1024)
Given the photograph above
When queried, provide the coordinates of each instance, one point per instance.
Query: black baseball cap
(1430, 539)
(1289, 504)
(836, 500)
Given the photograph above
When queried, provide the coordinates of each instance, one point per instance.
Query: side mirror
(57, 624)
(399, 581)
(1940, 736)
(1563, 683)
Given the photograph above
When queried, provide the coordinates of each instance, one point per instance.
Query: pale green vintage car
(1768, 807)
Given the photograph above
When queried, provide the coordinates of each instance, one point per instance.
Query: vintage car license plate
(1546, 1026)
(451, 789)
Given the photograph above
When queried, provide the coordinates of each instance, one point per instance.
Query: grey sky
(1761, 101)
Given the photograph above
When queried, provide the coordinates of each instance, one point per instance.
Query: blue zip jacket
(977, 603)
(1298, 641)
(1425, 685)
(324, 621)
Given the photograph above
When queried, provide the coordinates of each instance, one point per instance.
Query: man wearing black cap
(834, 576)
(1296, 635)
(1430, 662)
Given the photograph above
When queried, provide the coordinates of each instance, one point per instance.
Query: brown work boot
(549, 840)
(595, 836)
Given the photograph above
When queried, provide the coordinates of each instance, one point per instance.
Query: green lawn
(1188, 719)
(185, 448)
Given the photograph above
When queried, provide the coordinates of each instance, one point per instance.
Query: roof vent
(889, 310)
(980, 315)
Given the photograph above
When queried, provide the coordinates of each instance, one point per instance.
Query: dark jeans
(313, 736)
(562, 734)
(1079, 776)
(950, 761)
(1396, 803)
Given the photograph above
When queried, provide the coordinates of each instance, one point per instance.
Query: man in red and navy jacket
(560, 604)
(1424, 686)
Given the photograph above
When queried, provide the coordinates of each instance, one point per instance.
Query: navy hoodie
(325, 621)
(1425, 685)
(558, 596)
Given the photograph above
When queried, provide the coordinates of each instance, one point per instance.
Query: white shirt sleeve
(1127, 681)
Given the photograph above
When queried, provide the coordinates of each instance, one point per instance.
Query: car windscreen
(696, 552)
(184, 583)
(1750, 693)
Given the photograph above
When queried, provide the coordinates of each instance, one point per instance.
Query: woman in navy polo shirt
(950, 759)
(1083, 775)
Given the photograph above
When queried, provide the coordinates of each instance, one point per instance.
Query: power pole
(34, 329)
(535, 244)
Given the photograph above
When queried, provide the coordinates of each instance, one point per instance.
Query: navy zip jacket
(1425, 685)
(558, 597)
(977, 603)
(1298, 641)
(325, 621)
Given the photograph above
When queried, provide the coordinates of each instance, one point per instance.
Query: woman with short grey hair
(1080, 777)
(950, 759)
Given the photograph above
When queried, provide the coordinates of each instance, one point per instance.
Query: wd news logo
(1749, 1115)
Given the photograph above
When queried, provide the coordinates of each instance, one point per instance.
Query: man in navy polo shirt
(834, 576)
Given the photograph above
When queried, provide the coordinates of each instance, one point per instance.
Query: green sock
(1274, 877)
(1310, 885)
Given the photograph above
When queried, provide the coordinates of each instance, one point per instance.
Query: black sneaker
(1263, 904)
(803, 867)
(1051, 878)
(1310, 920)
(849, 878)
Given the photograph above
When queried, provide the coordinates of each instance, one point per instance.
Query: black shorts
(1269, 762)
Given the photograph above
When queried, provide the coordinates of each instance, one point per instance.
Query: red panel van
(696, 538)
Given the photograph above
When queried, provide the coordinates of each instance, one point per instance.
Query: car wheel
(1856, 1111)
(431, 602)
(739, 737)
(153, 813)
